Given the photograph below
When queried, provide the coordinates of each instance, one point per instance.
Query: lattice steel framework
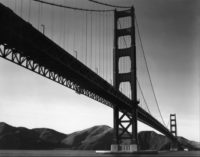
(125, 125)
(13, 55)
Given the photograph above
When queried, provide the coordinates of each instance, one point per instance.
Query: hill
(23, 138)
(94, 138)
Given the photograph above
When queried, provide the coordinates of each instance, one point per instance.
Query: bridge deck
(21, 37)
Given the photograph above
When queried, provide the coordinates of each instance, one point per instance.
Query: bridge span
(25, 46)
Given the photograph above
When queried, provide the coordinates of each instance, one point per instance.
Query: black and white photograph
(95, 78)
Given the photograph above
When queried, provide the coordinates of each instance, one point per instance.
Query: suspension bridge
(91, 51)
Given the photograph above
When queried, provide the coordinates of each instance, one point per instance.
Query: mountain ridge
(94, 138)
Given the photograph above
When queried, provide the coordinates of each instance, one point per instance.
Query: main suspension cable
(109, 5)
(137, 26)
(143, 96)
(69, 7)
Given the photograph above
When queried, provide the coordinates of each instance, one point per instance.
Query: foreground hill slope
(23, 138)
(94, 138)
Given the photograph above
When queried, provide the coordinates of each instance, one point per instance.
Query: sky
(170, 35)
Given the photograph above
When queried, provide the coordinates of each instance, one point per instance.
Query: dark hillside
(94, 138)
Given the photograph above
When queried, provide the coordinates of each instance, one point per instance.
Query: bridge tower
(173, 130)
(125, 125)
(173, 126)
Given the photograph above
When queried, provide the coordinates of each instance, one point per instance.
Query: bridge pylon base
(124, 148)
(174, 147)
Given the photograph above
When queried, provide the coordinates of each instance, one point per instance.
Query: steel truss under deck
(11, 54)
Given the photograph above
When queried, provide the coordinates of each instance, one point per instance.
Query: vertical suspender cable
(74, 36)
(61, 25)
(94, 44)
(91, 40)
(82, 39)
(86, 39)
(39, 16)
(64, 16)
(100, 44)
(21, 9)
(29, 11)
(15, 6)
(103, 44)
(52, 17)
(106, 46)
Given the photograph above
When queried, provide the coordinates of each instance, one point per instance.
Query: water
(72, 153)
